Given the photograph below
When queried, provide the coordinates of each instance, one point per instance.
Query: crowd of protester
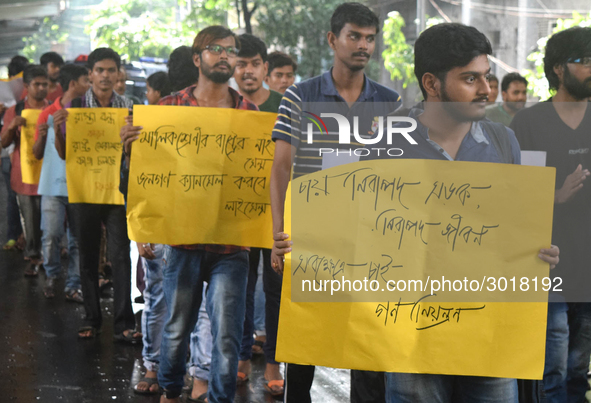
(219, 304)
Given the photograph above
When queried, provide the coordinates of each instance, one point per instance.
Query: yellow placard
(93, 155)
(340, 232)
(201, 175)
(30, 166)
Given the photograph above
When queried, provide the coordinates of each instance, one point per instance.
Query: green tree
(538, 85)
(299, 27)
(40, 42)
(139, 28)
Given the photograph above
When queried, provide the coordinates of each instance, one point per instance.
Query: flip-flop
(150, 382)
(129, 338)
(273, 392)
(242, 378)
(200, 399)
(257, 347)
(93, 332)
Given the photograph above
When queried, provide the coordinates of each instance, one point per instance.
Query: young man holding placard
(347, 90)
(87, 218)
(73, 80)
(224, 267)
(452, 69)
(35, 80)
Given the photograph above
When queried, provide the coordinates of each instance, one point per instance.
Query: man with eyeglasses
(186, 267)
(560, 127)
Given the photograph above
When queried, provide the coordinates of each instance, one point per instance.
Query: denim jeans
(201, 343)
(154, 317)
(427, 388)
(568, 348)
(30, 208)
(259, 304)
(53, 215)
(13, 219)
(184, 274)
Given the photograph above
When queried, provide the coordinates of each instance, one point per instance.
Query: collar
(188, 96)
(475, 129)
(96, 101)
(327, 87)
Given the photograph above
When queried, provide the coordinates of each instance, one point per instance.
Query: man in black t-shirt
(561, 127)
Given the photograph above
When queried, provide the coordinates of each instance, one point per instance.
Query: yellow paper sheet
(201, 175)
(336, 233)
(30, 166)
(93, 155)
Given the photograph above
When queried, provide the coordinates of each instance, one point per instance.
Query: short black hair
(182, 72)
(279, 59)
(251, 45)
(353, 13)
(159, 81)
(51, 57)
(103, 54)
(446, 46)
(492, 77)
(71, 72)
(32, 71)
(571, 43)
(17, 65)
(509, 78)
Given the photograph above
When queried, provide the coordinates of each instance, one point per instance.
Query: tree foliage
(40, 42)
(538, 85)
(139, 28)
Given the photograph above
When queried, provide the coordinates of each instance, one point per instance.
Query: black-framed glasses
(585, 61)
(231, 51)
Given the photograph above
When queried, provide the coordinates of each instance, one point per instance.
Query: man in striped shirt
(346, 90)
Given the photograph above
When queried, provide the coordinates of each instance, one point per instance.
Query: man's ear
(331, 38)
(196, 60)
(559, 70)
(432, 85)
(266, 68)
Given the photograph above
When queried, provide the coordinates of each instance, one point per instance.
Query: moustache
(246, 77)
(480, 99)
(356, 54)
(226, 64)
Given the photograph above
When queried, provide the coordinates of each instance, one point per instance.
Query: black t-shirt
(540, 128)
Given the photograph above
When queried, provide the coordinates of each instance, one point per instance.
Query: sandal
(74, 295)
(151, 382)
(132, 337)
(277, 384)
(241, 378)
(104, 283)
(93, 332)
(201, 399)
(257, 347)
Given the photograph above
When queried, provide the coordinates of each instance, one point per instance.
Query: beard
(218, 77)
(460, 110)
(579, 90)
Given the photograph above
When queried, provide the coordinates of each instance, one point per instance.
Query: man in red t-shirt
(36, 82)
(52, 62)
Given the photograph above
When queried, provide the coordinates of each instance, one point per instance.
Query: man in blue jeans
(186, 267)
(560, 127)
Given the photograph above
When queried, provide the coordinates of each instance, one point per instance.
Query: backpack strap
(500, 139)
(76, 103)
(19, 107)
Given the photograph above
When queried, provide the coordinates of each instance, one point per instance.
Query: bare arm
(280, 176)
(39, 146)
(59, 118)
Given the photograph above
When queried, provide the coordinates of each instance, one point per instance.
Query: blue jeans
(568, 348)
(427, 388)
(154, 317)
(259, 303)
(53, 215)
(13, 219)
(201, 344)
(184, 274)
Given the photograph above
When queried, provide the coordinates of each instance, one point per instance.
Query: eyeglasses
(231, 51)
(585, 61)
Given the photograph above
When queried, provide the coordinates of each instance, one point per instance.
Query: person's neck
(212, 94)
(35, 104)
(52, 86)
(103, 97)
(348, 83)
(562, 95)
(509, 111)
(442, 126)
(570, 109)
(258, 97)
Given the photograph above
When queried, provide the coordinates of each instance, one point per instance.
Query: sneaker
(49, 287)
(32, 270)
(74, 295)
(10, 245)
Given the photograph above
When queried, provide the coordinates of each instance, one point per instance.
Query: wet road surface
(42, 359)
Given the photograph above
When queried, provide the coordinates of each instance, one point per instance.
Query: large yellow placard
(397, 221)
(201, 175)
(30, 166)
(93, 155)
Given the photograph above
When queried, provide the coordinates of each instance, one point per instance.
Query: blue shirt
(476, 145)
(319, 95)
(52, 181)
